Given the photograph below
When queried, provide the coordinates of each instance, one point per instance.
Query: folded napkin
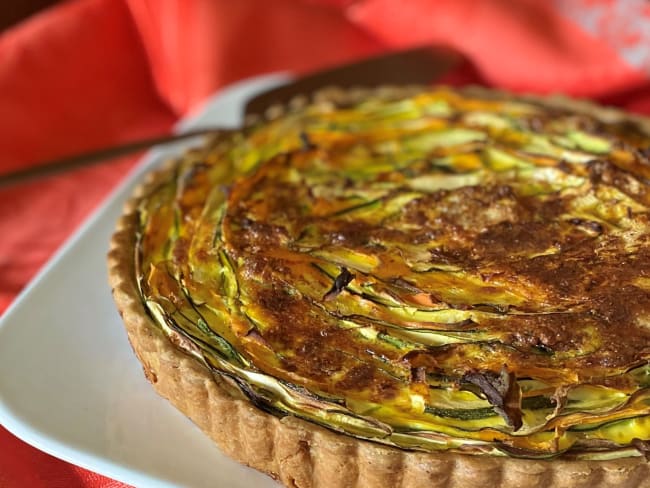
(91, 73)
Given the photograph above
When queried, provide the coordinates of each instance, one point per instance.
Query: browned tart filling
(438, 270)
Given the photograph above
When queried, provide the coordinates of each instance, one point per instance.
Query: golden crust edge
(304, 455)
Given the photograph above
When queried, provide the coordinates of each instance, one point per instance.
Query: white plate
(69, 382)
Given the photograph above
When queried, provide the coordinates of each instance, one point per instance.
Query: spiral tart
(410, 287)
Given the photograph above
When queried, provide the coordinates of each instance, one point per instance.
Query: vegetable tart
(404, 287)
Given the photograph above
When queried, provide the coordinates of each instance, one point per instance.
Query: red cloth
(91, 73)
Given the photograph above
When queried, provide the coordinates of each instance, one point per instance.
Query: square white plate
(69, 382)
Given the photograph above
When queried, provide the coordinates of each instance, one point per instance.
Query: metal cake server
(422, 65)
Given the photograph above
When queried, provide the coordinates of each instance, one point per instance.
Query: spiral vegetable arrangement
(440, 271)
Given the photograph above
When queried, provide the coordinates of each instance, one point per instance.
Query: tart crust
(299, 453)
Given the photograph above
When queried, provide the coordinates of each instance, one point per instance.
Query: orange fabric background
(91, 73)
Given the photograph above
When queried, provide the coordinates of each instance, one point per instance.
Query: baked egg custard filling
(443, 271)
